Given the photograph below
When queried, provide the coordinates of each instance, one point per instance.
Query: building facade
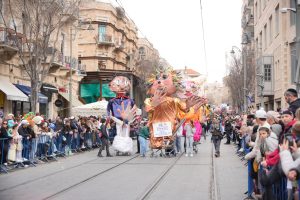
(107, 51)
(275, 47)
(55, 85)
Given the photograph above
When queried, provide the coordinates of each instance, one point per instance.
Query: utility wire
(203, 37)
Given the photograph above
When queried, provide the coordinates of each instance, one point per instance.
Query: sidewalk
(231, 174)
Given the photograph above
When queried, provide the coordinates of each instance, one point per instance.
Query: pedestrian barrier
(43, 148)
(250, 181)
(4, 151)
(279, 189)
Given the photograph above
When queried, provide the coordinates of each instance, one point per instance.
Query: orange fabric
(167, 111)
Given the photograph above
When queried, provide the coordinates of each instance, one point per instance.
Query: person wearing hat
(261, 120)
(291, 97)
(288, 120)
(273, 120)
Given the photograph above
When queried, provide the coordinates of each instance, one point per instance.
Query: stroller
(167, 148)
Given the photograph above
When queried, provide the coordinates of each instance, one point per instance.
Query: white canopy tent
(95, 109)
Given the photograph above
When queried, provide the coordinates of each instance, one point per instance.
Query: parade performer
(122, 110)
(163, 108)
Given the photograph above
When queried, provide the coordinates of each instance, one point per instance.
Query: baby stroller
(167, 148)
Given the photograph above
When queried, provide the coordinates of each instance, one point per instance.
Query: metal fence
(279, 187)
(24, 152)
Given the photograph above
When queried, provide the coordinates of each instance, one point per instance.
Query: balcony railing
(8, 40)
(104, 39)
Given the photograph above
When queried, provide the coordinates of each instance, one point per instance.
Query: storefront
(11, 98)
(49, 91)
(42, 99)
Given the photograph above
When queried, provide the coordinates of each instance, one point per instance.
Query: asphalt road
(85, 176)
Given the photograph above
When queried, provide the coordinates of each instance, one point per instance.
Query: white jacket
(255, 153)
(287, 161)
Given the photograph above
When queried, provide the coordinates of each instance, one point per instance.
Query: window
(142, 53)
(256, 12)
(259, 8)
(265, 43)
(267, 73)
(292, 14)
(259, 46)
(62, 45)
(294, 62)
(277, 20)
(102, 32)
(2, 10)
(270, 30)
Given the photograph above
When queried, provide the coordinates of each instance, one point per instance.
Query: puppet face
(120, 84)
(163, 82)
(187, 89)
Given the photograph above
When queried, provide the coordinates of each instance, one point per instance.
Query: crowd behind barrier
(28, 142)
(269, 174)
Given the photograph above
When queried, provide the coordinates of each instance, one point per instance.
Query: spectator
(228, 129)
(288, 121)
(216, 136)
(4, 142)
(273, 120)
(261, 120)
(143, 139)
(291, 97)
(189, 138)
(104, 139)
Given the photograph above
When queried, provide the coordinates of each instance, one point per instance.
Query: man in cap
(261, 120)
(291, 97)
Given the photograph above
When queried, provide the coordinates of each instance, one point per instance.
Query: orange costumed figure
(163, 108)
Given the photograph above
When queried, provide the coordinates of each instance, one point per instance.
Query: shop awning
(27, 90)
(12, 93)
(75, 101)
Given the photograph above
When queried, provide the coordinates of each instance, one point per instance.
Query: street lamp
(245, 73)
(90, 28)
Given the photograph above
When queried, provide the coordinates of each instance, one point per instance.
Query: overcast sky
(174, 28)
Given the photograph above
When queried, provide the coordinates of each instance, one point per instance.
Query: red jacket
(273, 158)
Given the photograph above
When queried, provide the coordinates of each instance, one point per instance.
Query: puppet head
(165, 80)
(120, 85)
(187, 89)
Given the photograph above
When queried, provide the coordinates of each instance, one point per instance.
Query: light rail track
(147, 193)
(89, 178)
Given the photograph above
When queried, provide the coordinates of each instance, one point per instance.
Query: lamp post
(90, 28)
(245, 75)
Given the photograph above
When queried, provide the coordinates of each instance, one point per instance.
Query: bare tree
(234, 81)
(35, 27)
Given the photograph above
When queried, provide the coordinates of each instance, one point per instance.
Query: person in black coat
(104, 139)
(228, 129)
(4, 142)
(291, 97)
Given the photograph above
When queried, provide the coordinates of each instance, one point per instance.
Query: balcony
(105, 40)
(81, 70)
(8, 45)
(265, 76)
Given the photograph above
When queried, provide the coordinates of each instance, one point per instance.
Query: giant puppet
(121, 109)
(163, 108)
